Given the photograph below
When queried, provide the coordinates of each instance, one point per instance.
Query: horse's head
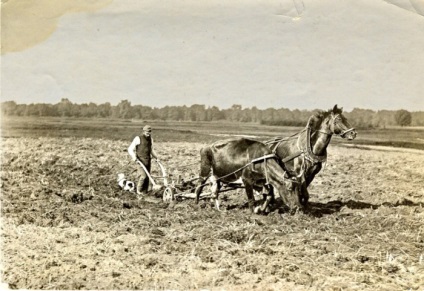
(289, 191)
(339, 125)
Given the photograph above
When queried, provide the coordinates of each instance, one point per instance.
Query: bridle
(306, 151)
(335, 122)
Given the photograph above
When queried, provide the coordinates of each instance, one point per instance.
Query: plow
(175, 187)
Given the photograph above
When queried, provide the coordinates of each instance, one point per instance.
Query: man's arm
(132, 148)
(154, 154)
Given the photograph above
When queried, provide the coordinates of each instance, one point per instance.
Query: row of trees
(361, 118)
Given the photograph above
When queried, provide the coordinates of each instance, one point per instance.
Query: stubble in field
(66, 224)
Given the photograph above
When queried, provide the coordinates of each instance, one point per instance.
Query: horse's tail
(206, 159)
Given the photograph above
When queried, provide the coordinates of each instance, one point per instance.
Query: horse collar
(309, 153)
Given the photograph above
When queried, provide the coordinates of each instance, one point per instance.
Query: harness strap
(278, 140)
(266, 173)
(291, 157)
(310, 154)
(275, 143)
(346, 131)
(257, 160)
(274, 150)
(269, 156)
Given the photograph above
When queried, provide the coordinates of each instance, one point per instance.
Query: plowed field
(67, 225)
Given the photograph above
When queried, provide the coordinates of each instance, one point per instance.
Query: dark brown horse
(252, 162)
(305, 152)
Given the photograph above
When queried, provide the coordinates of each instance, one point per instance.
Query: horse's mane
(316, 119)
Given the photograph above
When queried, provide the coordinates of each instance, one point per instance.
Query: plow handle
(164, 175)
(163, 170)
(147, 172)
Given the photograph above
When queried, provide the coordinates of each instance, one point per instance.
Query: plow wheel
(168, 195)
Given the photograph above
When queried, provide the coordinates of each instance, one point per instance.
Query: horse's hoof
(217, 207)
(303, 199)
(257, 210)
(296, 210)
(304, 202)
(304, 205)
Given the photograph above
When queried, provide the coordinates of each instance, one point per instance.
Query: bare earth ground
(66, 225)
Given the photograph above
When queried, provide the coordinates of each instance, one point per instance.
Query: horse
(252, 162)
(305, 152)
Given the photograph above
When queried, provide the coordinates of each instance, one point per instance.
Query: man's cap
(147, 128)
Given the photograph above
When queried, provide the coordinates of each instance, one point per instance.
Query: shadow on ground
(318, 209)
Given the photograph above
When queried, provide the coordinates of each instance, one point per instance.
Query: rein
(343, 132)
(307, 151)
(278, 140)
(335, 123)
(346, 131)
(254, 161)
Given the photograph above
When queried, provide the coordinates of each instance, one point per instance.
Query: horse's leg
(263, 190)
(199, 188)
(205, 169)
(248, 187)
(268, 198)
(304, 194)
(266, 201)
(311, 174)
(271, 192)
(309, 177)
(216, 185)
(264, 195)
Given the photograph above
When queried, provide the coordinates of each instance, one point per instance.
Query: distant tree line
(360, 118)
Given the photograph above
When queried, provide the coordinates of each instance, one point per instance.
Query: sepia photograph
(212, 145)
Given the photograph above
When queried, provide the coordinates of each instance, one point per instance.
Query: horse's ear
(335, 108)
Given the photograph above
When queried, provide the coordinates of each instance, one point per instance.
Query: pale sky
(293, 54)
